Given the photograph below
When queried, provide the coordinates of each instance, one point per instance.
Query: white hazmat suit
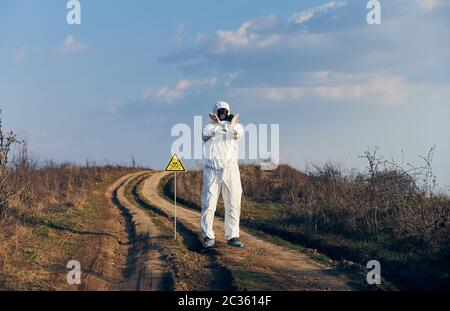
(221, 175)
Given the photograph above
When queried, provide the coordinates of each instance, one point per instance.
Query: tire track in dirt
(106, 270)
(146, 267)
(217, 276)
(263, 265)
(133, 265)
(134, 254)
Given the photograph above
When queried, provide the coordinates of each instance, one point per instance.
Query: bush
(29, 186)
(7, 193)
(389, 211)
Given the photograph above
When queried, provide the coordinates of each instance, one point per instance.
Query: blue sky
(116, 84)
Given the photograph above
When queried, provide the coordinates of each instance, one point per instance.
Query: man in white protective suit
(221, 174)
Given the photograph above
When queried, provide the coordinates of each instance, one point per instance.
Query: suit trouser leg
(210, 195)
(232, 194)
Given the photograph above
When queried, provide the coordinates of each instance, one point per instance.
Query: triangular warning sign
(175, 165)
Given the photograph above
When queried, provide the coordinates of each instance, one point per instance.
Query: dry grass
(33, 248)
(34, 198)
(391, 212)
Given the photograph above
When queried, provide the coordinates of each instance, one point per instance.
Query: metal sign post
(175, 201)
(175, 166)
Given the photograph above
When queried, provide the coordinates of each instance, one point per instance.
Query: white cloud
(236, 38)
(181, 89)
(71, 45)
(20, 54)
(306, 15)
(179, 36)
(330, 86)
(24, 52)
(113, 105)
(276, 54)
(231, 77)
(155, 120)
(185, 87)
(254, 33)
(200, 39)
(429, 4)
(258, 33)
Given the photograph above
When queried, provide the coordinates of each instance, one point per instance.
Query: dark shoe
(236, 243)
(208, 243)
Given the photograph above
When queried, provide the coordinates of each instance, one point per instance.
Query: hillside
(389, 215)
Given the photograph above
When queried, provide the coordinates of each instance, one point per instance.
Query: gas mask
(222, 114)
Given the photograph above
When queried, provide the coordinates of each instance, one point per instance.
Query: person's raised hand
(235, 119)
(214, 118)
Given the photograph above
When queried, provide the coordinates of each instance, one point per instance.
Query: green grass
(255, 281)
(285, 243)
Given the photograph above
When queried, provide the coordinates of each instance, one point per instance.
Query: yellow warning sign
(175, 165)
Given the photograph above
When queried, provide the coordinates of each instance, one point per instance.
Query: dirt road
(148, 257)
(135, 264)
(261, 265)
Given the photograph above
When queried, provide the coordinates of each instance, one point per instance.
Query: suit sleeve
(213, 130)
(238, 131)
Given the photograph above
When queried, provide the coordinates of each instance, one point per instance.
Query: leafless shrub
(398, 201)
(29, 186)
(7, 141)
(394, 211)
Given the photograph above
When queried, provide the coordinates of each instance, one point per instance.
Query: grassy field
(390, 214)
(49, 214)
(36, 244)
(394, 214)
